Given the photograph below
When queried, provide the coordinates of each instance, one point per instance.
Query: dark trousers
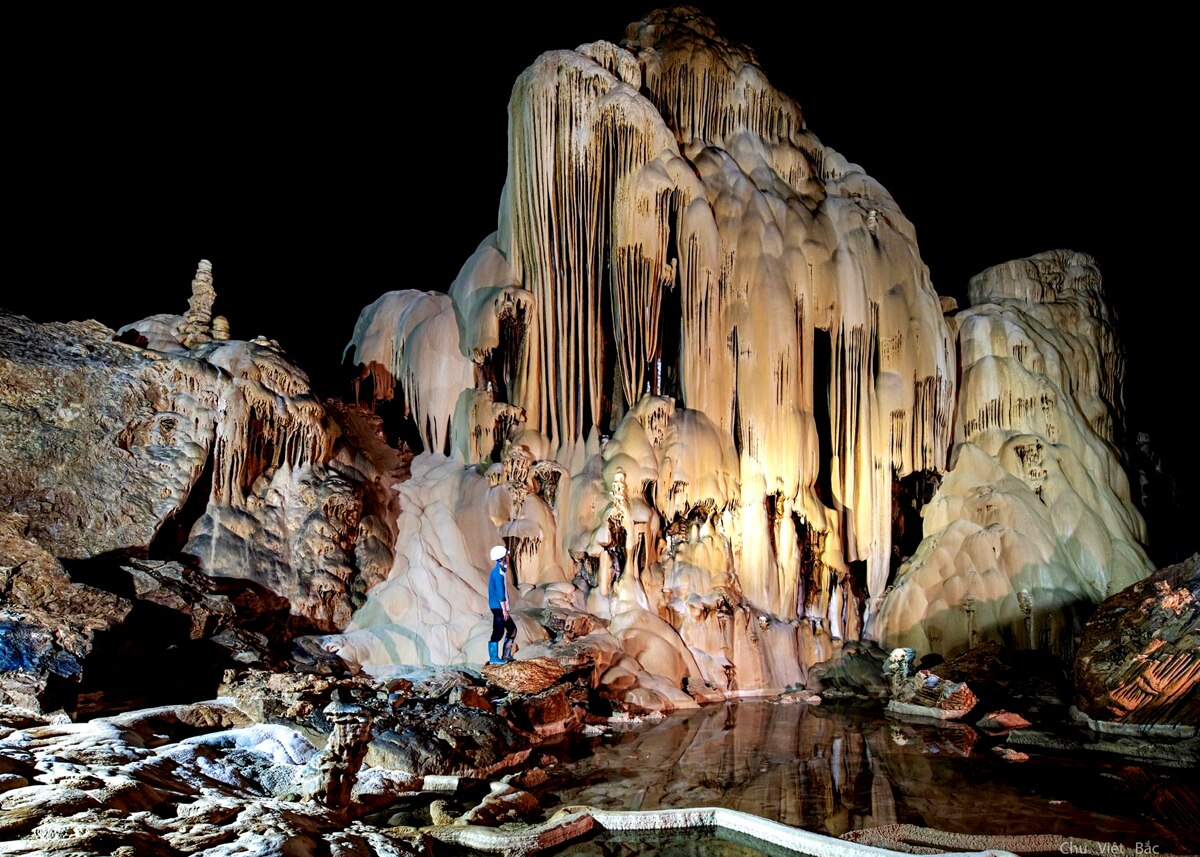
(502, 626)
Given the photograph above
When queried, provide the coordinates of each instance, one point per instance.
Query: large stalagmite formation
(690, 363)
(1034, 524)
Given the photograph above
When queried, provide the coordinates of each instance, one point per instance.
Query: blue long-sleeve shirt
(497, 591)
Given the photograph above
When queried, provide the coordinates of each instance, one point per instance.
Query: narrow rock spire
(197, 324)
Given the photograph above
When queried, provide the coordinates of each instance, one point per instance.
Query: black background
(320, 160)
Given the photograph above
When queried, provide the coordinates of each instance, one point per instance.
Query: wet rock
(1008, 754)
(547, 713)
(1139, 658)
(1174, 753)
(531, 676)
(1005, 720)
(856, 672)
(933, 737)
(799, 697)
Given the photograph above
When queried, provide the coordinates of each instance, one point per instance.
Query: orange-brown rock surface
(1139, 659)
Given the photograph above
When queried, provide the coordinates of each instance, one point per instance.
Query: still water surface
(831, 771)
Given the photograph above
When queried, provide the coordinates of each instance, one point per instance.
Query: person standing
(503, 625)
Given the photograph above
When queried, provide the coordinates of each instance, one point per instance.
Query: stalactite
(411, 340)
(640, 271)
(577, 138)
(547, 476)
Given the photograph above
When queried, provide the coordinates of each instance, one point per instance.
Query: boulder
(532, 676)
(547, 713)
(100, 442)
(856, 671)
(1139, 658)
(1002, 721)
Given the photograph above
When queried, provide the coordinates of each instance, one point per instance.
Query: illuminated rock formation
(1034, 523)
(135, 444)
(290, 506)
(1139, 657)
(100, 443)
(197, 325)
(696, 353)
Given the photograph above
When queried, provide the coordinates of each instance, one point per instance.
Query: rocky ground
(239, 774)
(450, 758)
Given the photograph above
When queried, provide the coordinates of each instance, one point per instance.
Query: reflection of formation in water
(833, 772)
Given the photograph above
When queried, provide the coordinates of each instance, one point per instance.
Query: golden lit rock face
(715, 339)
(1034, 523)
(687, 299)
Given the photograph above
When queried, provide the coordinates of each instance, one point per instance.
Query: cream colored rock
(1034, 523)
(717, 337)
(685, 294)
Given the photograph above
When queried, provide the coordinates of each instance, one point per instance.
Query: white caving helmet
(499, 552)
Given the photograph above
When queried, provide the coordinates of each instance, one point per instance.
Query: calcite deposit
(678, 381)
(1034, 523)
(166, 442)
(699, 383)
